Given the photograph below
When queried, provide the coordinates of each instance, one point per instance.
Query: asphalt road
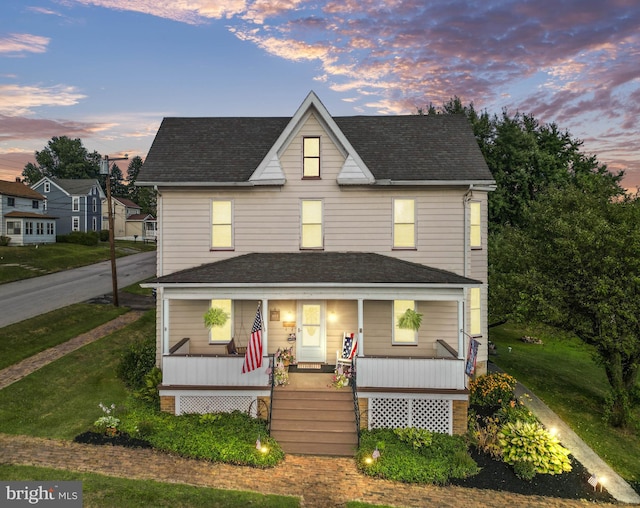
(30, 297)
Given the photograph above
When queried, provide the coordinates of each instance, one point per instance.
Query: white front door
(311, 343)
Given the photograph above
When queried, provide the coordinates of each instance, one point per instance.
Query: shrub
(514, 411)
(136, 362)
(414, 436)
(484, 435)
(90, 238)
(492, 389)
(4, 241)
(149, 392)
(524, 470)
(530, 442)
(104, 235)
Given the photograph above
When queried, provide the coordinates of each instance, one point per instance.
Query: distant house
(24, 220)
(129, 222)
(77, 203)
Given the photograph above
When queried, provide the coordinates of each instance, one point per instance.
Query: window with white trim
(50, 229)
(28, 228)
(404, 223)
(221, 224)
(475, 325)
(311, 157)
(75, 223)
(47, 187)
(40, 228)
(475, 223)
(13, 227)
(403, 336)
(311, 234)
(75, 204)
(222, 334)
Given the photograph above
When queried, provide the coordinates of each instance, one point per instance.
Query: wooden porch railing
(410, 373)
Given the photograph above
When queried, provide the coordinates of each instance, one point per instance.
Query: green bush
(446, 457)
(4, 241)
(414, 436)
(514, 411)
(530, 442)
(525, 470)
(104, 235)
(492, 389)
(136, 362)
(149, 391)
(90, 238)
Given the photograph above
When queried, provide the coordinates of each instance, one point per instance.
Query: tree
(143, 196)
(526, 158)
(63, 157)
(574, 263)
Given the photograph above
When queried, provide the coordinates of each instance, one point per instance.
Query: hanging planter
(410, 320)
(215, 316)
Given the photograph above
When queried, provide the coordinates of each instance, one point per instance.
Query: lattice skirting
(435, 415)
(215, 404)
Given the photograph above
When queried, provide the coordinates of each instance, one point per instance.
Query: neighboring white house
(129, 223)
(332, 225)
(24, 220)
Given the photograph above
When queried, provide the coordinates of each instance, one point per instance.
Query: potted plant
(215, 316)
(285, 356)
(410, 320)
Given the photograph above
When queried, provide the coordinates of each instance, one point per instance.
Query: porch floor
(315, 381)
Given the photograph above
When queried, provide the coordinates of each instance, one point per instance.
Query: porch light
(333, 317)
(260, 447)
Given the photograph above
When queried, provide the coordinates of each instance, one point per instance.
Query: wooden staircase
(314, 421)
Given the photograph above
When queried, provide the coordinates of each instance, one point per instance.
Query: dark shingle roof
(76, 186)
(438, 147)
(18, 190)
(314, 267)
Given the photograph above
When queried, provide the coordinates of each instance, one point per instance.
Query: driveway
(31, 297)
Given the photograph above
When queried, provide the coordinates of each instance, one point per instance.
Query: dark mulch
(497, 475)
(121, 439)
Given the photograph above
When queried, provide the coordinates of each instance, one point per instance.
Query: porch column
(265, 331)
(360, 327)
(165, 326)
(460, 329)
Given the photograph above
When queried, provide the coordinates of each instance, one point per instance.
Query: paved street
(28, 298)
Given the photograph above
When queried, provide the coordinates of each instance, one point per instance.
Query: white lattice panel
(431, 414)
(211, 404)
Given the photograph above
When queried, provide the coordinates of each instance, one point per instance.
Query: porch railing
(219, 371)
(416, 373)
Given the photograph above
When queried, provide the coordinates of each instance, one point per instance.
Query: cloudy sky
(108, 71)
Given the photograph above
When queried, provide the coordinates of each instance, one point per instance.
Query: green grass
(25, 339)
(565, 375)
(107, 491)
(63, 396)
(33, 261)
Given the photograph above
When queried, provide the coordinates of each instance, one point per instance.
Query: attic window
(311, 157)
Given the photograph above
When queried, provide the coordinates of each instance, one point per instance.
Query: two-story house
(332, 225)
(76, 202)
(24, 220)
(129, 223)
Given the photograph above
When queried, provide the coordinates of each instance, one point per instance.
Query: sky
(108, 71)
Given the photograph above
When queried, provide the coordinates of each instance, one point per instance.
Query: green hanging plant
(410, 320)
(215, 316)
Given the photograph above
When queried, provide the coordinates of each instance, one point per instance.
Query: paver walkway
(319, 481)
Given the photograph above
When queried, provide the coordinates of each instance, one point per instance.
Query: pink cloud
(20, 128)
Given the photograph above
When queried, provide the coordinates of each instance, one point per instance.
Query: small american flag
(253, 356)
(349, 346)
(593, 481)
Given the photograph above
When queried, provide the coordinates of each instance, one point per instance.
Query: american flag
(253, 356)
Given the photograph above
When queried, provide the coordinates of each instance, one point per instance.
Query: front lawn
(563, 373)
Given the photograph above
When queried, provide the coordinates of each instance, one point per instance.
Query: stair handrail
(273, 384)
(354, 390)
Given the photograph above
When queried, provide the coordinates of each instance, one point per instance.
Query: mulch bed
(497, 475)
(494, 475)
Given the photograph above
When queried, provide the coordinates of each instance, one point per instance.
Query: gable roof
(74, 186)
(126, 202)
(432, 149)
(19, 190)
(314, 267)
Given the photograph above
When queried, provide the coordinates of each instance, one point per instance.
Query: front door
(311, 343)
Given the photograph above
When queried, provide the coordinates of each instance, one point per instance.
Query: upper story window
(95, 204)
(311, 157)
(35, 204)
(75, 203)
(475, 326)
(311, 236)
(403, 335)
(47, 187)
(221, 224)
(11, 201)
(475, 230)
(404, 223)
(44, 205)
(224, 333)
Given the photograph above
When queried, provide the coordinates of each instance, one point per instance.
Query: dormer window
(47, 187)
(311, 157)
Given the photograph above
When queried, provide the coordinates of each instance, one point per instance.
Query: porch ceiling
(314, 268)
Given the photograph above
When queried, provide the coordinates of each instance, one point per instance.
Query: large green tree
(143, 196)
(574, 263)
(63, 157)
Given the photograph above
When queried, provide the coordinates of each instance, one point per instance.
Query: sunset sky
(108, 71)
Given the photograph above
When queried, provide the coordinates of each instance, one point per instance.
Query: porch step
(314, 422)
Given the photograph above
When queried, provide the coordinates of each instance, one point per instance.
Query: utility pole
(105, 169)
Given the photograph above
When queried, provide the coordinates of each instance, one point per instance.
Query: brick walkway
(319, 481)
